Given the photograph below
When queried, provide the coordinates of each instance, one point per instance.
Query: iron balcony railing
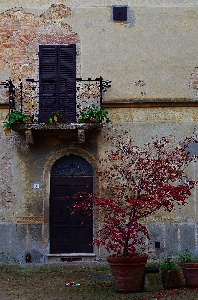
(22, 93)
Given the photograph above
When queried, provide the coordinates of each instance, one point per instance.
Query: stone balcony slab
(31, 130)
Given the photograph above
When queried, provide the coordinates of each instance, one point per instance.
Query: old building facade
(148, 50)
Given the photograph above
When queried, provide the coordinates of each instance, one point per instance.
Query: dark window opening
(120, 13)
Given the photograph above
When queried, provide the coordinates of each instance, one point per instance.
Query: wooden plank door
(69, 233)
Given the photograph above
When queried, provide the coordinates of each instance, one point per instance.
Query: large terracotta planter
(128, 272)
(190, 272)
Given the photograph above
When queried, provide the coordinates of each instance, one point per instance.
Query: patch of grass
(35, 282)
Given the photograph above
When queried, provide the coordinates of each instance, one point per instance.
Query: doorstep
(62, 257)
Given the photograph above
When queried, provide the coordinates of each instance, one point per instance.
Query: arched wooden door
(70, 175)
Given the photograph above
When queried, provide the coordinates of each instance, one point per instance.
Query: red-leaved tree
(133, 184)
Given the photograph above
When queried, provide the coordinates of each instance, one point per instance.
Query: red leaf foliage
(133, 184)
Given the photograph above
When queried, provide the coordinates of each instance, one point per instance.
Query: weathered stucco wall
(150, 58)
(24, 210)
(176, 231)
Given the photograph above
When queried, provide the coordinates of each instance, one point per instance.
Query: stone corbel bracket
(81, 136)
(29, 137)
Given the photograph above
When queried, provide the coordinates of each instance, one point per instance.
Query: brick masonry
(20, 35)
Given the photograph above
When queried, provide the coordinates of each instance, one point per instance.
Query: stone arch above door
(71, 165)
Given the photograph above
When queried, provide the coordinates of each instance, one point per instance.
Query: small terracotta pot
(171, 279)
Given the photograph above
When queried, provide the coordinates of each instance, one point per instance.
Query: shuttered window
(57, 82)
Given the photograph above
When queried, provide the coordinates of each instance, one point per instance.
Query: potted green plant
(170, 273)
(14, 118)
(55, 117)
(134, 184)
(94, 115)
(189, 265)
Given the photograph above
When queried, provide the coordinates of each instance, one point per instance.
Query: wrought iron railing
(88, 91)
(11, 89)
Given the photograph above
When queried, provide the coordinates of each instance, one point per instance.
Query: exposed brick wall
(20, 35)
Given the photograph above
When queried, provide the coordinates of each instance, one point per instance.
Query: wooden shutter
(57, 81)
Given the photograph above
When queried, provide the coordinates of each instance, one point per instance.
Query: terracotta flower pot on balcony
(128, 272)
